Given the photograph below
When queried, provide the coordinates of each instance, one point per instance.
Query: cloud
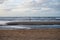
(1, 1)
(31, 8)
(28, 5)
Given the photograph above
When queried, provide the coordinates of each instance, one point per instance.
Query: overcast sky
(30, 8)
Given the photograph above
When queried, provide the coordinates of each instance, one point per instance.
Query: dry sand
(41, 34)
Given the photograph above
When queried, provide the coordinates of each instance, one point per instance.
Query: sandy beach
(39, 34)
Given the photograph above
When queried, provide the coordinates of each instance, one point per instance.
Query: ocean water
(4, 20)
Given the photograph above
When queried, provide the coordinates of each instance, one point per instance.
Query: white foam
(20, 27)
(3, 22)
(15, 27)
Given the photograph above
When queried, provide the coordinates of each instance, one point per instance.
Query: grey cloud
(49, 4)
(1, 1)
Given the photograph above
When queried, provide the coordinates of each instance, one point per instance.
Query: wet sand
(39, 34)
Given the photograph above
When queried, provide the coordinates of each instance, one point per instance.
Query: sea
(4, 20)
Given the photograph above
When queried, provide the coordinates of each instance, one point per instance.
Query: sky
(33, 8)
